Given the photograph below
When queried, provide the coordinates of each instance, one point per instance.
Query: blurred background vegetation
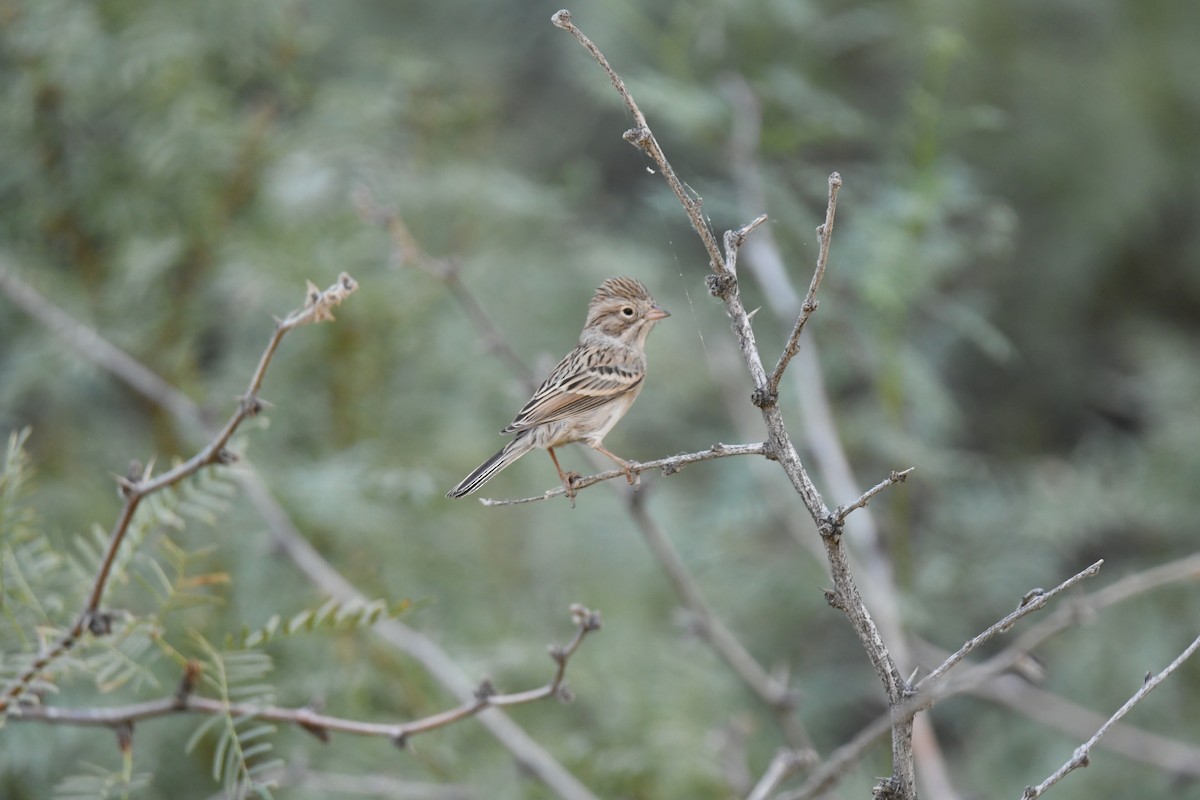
(1013, 307)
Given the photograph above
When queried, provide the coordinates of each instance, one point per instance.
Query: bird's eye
(627, 311)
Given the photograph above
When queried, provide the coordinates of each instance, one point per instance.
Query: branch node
(585, 618)
(225, 457)
(562, 19)
(400, 740)
(100, 623)
(557, 653)
(834, 599)
(831, 526)
(720, 285)
(1031, 596)
(485, 691)
(251, 405)
(638, 137)
(763, 397)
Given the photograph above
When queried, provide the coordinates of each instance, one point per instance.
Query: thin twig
(1082, 755)
(825, 235)
(785, 764)
(1054, 711)
(100, 352)
(642, 137)
(839, 762)
(318, 306)
(409, 251)
(320, 725)
(774, 692)
(1035, 600)
(669, 466)
(840, 514)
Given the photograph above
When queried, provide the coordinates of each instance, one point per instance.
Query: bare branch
(409, 251)
(669, 466)
(1054, 711)
(318, 306)
(1082, 755)
(532, 757)
(320, 725)
(1035, 600)
(825, 235)
(723, 284)
(785, 764)
(772, 691)
(643, 138)
(100, 352)
(840, 761)
(839, 516)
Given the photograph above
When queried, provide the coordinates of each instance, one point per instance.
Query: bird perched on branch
(590, 389)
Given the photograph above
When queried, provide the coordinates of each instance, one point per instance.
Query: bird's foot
(569, 479)
(631, 477)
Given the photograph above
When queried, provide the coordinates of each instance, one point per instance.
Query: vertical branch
(723, 284)
(642, 137)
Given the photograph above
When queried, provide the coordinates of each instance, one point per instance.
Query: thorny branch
(842, 512)
(319, 725)
(669, 466)
(1034, 600)
(825, 235)
(91, 346)
(773, 691)
(642, 137)
(1082, 755)
(723, 284)
(318, 307)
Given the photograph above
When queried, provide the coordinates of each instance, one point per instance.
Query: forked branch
(136, 486)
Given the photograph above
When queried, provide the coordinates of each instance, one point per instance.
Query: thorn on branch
(124, 732)
(251, 405)
(400, 740)
(187, 684)
(100, 623)
(322, 733)
(721, 285)
(486, 690)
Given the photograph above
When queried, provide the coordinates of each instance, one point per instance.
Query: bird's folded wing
(573, 388)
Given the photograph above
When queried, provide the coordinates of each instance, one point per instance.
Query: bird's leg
(625, 465)
(568, 478)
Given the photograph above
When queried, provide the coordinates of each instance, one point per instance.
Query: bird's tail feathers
(488, 469)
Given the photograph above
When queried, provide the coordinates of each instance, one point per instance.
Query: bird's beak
(656, 313)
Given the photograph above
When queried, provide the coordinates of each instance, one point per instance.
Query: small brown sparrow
(590, 389)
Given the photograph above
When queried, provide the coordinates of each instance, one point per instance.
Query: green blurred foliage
(1012, 306)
